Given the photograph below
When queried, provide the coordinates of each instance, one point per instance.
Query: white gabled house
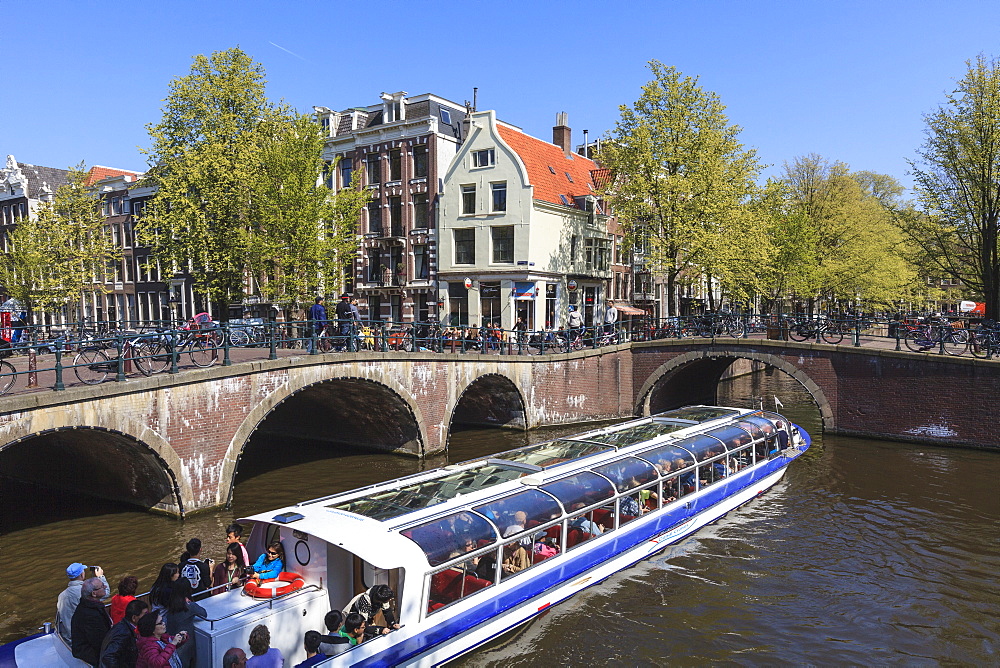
(521, 230)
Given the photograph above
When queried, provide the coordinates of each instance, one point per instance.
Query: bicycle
(943, 334)
(805, 328)
(8, 374)
(985, 341)
(92, 365)
(200, 345)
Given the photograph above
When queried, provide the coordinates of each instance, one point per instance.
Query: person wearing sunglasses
(271, 563)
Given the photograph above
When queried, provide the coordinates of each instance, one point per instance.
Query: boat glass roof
(732, 436)
(628, 473)
(638, 433)
(698, 413)
(409, 498)
(447, 537)
(665, 456)
(579, 490)
(552, 453)
(702, 446)
(537, 508)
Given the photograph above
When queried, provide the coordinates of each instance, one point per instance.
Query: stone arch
(694, 357)
(385, 385)
(141, 471)
(492, 399)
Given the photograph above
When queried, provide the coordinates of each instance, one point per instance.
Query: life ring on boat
(289, 582)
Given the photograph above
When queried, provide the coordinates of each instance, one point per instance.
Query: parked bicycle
(985, 340)
(941, 334)
(92, 365)
(826, 329)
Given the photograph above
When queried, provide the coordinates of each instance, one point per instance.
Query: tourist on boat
(234, 534)
(333, 643)
(126, 594)
(311, 643)
(264, 656)
(197, 571)
(271, 563)
(180, 617)
(516, 558)
(91, 621)
(156, 648)
(119, 649)
(234, 657)
(584, 522)
(368, 603)
(354, 628)
(159, 594)
(782, 435)
(231, 571)
(69, 597)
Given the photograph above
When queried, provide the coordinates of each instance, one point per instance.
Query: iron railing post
(272, 329)
(120, 344)
(59, 370)
(225, 345)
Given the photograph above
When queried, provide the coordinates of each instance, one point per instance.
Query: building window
(419, 162)
(420, 211)
(421, 266)
(374, 169)
(484, 158)
(446, 117)
(328, 174)
(551, 320)
(503, 243)
(465, 246)
(468, 199)
(374, 217)
(572, 250)
(596, 254)
(396, 216)
(499, 196)
(568, 177)
(395, 165)
(346, 171)
(458, 302)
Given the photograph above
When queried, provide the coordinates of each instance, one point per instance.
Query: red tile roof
(98, 173)
(539, 156)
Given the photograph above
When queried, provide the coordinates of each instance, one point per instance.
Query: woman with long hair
(231, 571)
(159, 594)
(180, 617)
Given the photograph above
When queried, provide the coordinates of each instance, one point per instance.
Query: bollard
(857, 332)
(225, 345)
(272, 330)
(174, 353)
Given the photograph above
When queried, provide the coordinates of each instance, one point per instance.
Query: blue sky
(847, 80)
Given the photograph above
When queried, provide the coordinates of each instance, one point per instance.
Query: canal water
(867, 553)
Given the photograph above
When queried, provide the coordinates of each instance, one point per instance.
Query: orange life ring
(292, 582)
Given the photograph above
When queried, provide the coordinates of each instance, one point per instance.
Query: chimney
(561, 133)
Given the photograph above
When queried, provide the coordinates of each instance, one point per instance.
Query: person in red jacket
(156, 648)
(126, 594)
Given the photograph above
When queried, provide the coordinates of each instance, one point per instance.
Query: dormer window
(446, 117)
(484, 158)
(393, 107)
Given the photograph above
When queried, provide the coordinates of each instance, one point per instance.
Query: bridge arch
(490, 400)
(695, 375)
(106, 463)
(397, 424)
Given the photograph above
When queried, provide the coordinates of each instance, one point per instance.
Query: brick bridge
(174, 442)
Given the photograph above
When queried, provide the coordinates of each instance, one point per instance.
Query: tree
(239, 202)
(678, 170)
(838, 222)
(957, 181)
(61, 254)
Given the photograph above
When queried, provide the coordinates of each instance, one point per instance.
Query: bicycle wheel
(8, 374)
(799, 332)
(832, 336)
(239, 338)
(91, 366)
(918, 342)
(980, 343)
(737, 328)
(954, 343)
(203, 353)
(154, 356)
(138, 355)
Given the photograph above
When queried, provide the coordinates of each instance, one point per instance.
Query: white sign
(572, 284)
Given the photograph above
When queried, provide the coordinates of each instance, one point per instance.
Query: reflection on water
(866, 553)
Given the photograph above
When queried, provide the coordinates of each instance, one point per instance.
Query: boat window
(580, 490)
(667, 458)
(446, 537)
(552, 453)
(409, 498)
(584, 526)
(731, 435)
(637, 434)
(638, 502)
(460, 580)
(522, 511)
(702, 446)
(698, 413)
(628, 473)
(763, 447)
(710, 473)
(740, 459)
(754, 429)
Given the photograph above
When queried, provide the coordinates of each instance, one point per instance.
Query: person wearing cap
(345, 316)
(69, 598)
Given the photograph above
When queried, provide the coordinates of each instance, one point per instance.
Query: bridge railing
(91, 353)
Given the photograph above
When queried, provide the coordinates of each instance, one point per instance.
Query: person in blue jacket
(271, 563)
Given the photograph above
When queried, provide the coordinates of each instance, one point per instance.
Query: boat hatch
(391, 503)
(699, 413)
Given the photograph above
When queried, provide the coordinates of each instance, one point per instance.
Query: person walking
(345, 316)
(317, 322)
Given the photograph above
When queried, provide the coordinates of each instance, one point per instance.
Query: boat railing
(268, 603)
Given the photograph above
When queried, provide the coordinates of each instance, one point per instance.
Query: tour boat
(474, 549)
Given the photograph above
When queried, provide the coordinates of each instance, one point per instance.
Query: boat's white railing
(267, 602)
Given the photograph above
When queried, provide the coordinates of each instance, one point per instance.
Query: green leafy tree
(679, 170)
(239, 202)
(63, 253)
(957, 181)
